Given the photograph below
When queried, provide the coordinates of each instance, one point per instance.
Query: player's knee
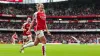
(43, 42)
(35, 44)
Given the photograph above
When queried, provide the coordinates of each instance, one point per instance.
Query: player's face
(41, 7)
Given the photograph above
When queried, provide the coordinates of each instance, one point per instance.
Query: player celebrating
(27, 34)
(40, 18)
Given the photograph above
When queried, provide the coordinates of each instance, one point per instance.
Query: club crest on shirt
(43, 16)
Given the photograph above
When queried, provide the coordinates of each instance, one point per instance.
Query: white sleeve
(34, 19)
(35, 15)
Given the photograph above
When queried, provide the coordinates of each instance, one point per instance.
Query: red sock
(43, 50)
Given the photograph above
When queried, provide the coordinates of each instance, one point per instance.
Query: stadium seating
(17, 25)
(53, 9)
(55, 38)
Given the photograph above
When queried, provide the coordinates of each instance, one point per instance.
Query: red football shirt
(40, 20)
(26, 26)
(14, 36)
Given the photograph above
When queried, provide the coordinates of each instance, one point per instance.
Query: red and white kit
(14, 36)
(39, 28)
(25, 32)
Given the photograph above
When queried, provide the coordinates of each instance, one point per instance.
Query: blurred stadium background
(65, 19)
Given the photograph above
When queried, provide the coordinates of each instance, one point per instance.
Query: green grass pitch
(52, 50)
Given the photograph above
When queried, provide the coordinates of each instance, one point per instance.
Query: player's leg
(35, 43)
(43, 41)
(24, 40)
(13, 41)
(29, 39)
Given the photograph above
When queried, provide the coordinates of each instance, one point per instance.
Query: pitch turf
(52, 50)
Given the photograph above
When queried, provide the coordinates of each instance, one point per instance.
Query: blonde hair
(37, 5)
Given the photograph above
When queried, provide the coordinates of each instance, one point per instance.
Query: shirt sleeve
(34, 20)
(35, 16)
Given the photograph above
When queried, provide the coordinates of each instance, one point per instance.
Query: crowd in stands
(82, 37)
(13, 25)
(72, 9)
(74, 26)
(56, 38)
(6, 37)
(52, 9)
(16, 10)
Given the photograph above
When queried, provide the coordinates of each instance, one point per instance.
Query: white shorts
(25, 37)
(39, 33)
